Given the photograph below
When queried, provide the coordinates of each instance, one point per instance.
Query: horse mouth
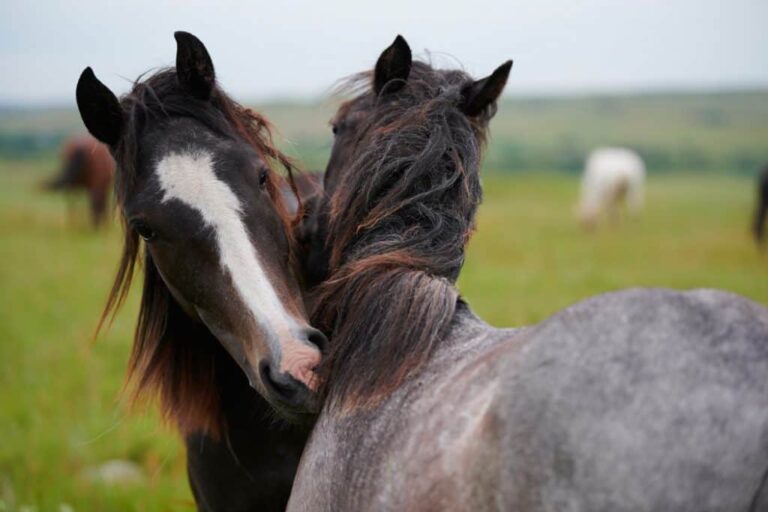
(299, 361)
(287, 393)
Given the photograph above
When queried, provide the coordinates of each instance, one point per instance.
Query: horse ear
(481, 93)
(394, 65)
(194, 67)
(99, 108)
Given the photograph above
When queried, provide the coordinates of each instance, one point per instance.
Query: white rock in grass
(116, 472)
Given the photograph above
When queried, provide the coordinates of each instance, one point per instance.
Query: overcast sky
(289, 49)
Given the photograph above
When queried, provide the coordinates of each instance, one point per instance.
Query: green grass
(60, 408)
(529, 258)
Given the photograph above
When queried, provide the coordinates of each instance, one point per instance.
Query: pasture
(61, 412)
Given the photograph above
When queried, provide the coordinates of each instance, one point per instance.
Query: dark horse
(87, 165)
(761, 211)
(222, 335)
(641, 400)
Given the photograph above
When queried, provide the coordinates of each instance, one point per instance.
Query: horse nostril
(317, 339)
(284, 385)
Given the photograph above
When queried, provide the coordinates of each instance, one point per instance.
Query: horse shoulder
(416, 450)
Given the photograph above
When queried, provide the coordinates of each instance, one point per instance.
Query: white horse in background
(612, 176)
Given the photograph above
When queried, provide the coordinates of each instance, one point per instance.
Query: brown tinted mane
(398, 222)
(167, 360)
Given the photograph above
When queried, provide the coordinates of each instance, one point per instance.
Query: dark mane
(166, 361)
(398, 223)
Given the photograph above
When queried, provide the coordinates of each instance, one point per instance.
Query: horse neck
(466, 327)
(252, 463)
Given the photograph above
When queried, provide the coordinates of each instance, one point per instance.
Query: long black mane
(168, 359)
(398, 223)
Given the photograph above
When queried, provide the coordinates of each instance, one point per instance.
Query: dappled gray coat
(641, 400)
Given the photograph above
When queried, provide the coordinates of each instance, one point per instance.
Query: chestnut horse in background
(222, 336)
(86, 165)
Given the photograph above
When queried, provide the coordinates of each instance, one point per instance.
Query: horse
(87, 165)
(641, 400)
(612, 177)
(761, 209)
(222, 336)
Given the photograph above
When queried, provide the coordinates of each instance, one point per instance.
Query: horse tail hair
(761, 213)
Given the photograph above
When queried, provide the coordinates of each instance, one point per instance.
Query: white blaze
(189, 178)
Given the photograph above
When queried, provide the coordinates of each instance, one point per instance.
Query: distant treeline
(570, 158)
(511, 156)
(718, 132)
(30, 144)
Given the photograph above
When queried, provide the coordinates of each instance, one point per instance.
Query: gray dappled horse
(640, 400)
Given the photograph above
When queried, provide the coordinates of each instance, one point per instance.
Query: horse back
(639, 400)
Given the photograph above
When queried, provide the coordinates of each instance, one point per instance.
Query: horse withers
(612, 178)
(87, 166)
(222, 334)
(640, 400)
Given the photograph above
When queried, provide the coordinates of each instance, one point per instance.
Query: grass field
(60, 408)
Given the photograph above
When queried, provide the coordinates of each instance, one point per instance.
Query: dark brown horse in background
(88, 166)
(761, 209)
(222, 336)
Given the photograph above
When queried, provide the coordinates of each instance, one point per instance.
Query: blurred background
(683, 83)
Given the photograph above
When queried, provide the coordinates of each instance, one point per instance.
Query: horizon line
(514, 94)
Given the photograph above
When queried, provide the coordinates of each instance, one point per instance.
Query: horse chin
(291, 398)
(305, 416)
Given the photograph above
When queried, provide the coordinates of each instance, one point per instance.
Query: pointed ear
(480, 94)
(394, 65)
(99, 108)
(194, 67)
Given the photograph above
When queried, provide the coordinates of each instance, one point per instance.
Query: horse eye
(143, 229)
(335, 129)
(263, 175)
